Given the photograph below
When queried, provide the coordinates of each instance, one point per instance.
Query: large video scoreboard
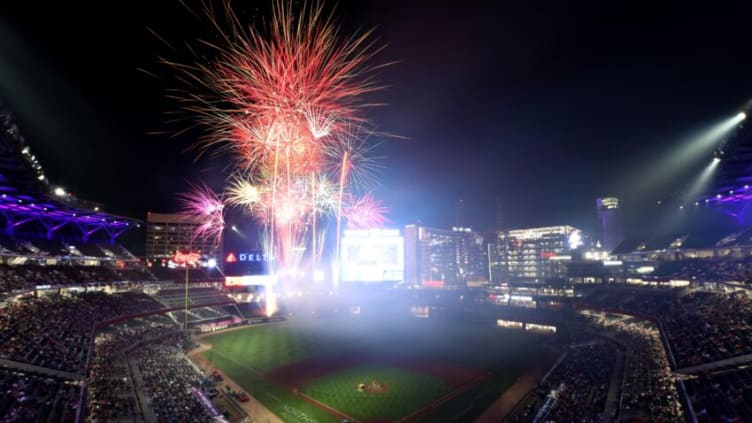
(374, 255)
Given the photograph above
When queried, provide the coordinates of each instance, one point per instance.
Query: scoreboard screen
(375, 255)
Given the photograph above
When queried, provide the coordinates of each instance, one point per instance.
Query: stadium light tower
(186, 259)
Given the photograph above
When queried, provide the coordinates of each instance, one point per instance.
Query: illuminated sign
(258, 257)
(575, 240)
(560, 258)
(251, 280)
(244, 263)
(186, 258)
(433, 284)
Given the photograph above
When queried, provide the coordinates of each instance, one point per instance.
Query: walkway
(255, 409)
(614, 387)
(40, 370)
(143, 400)
(720, 364)
(500, 408)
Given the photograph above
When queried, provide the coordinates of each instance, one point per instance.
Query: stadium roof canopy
(26, 196)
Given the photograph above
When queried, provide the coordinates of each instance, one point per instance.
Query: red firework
(282, 103)
(365, 212)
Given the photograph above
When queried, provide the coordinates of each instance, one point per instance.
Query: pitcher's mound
(374, 387)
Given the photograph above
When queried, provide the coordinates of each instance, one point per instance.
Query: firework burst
(365, 212)
(283, 103)
(204, 206)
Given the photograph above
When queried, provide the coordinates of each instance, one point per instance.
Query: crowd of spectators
(136, 273)
(700, 327)
(28, 276)
(581, 381)
(31, 398)
(724, 396)
(168, 379)
(648, 391)
(55, 331)
(111, 390)
(707, 270)
(647, 302)
(704, 327)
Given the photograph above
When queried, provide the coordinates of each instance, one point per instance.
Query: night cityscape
(284, 211)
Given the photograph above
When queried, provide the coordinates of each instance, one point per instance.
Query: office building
(610, 225)
(167, 233)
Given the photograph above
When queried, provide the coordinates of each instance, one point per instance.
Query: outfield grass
(246, 354)
(473, 401)
(279, 400)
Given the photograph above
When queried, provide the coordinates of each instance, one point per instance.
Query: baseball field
(374, 370)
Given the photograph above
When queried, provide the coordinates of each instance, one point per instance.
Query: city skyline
(511, 85)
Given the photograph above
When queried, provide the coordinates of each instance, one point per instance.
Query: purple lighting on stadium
(20, 209)
(734, 201)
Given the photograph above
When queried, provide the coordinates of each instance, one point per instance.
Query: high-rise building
(532, 255)
(471, 256)
(611, 230)
(167, 233)
(499, 214)
(459, 213)
(444, 258)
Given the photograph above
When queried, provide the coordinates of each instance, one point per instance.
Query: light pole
(186, 259)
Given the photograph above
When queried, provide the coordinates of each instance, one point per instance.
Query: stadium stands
(701, 327)
(55, 332)
(704, 327)
(581, 383)
(31, 398)
(111, 387)
(28, 276)
(707, 270)
(648, 387)
(194, 275)
(53, 246)
(175, 297)
(161, 364)
(724, 396)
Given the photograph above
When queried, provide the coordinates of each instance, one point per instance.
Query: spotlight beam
(689, 152)
(702, 180)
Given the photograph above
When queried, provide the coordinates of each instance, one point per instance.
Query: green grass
(245, 355)
(407, 391)
(278, 399)
(473, 401)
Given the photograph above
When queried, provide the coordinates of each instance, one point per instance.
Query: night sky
(543, 106)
